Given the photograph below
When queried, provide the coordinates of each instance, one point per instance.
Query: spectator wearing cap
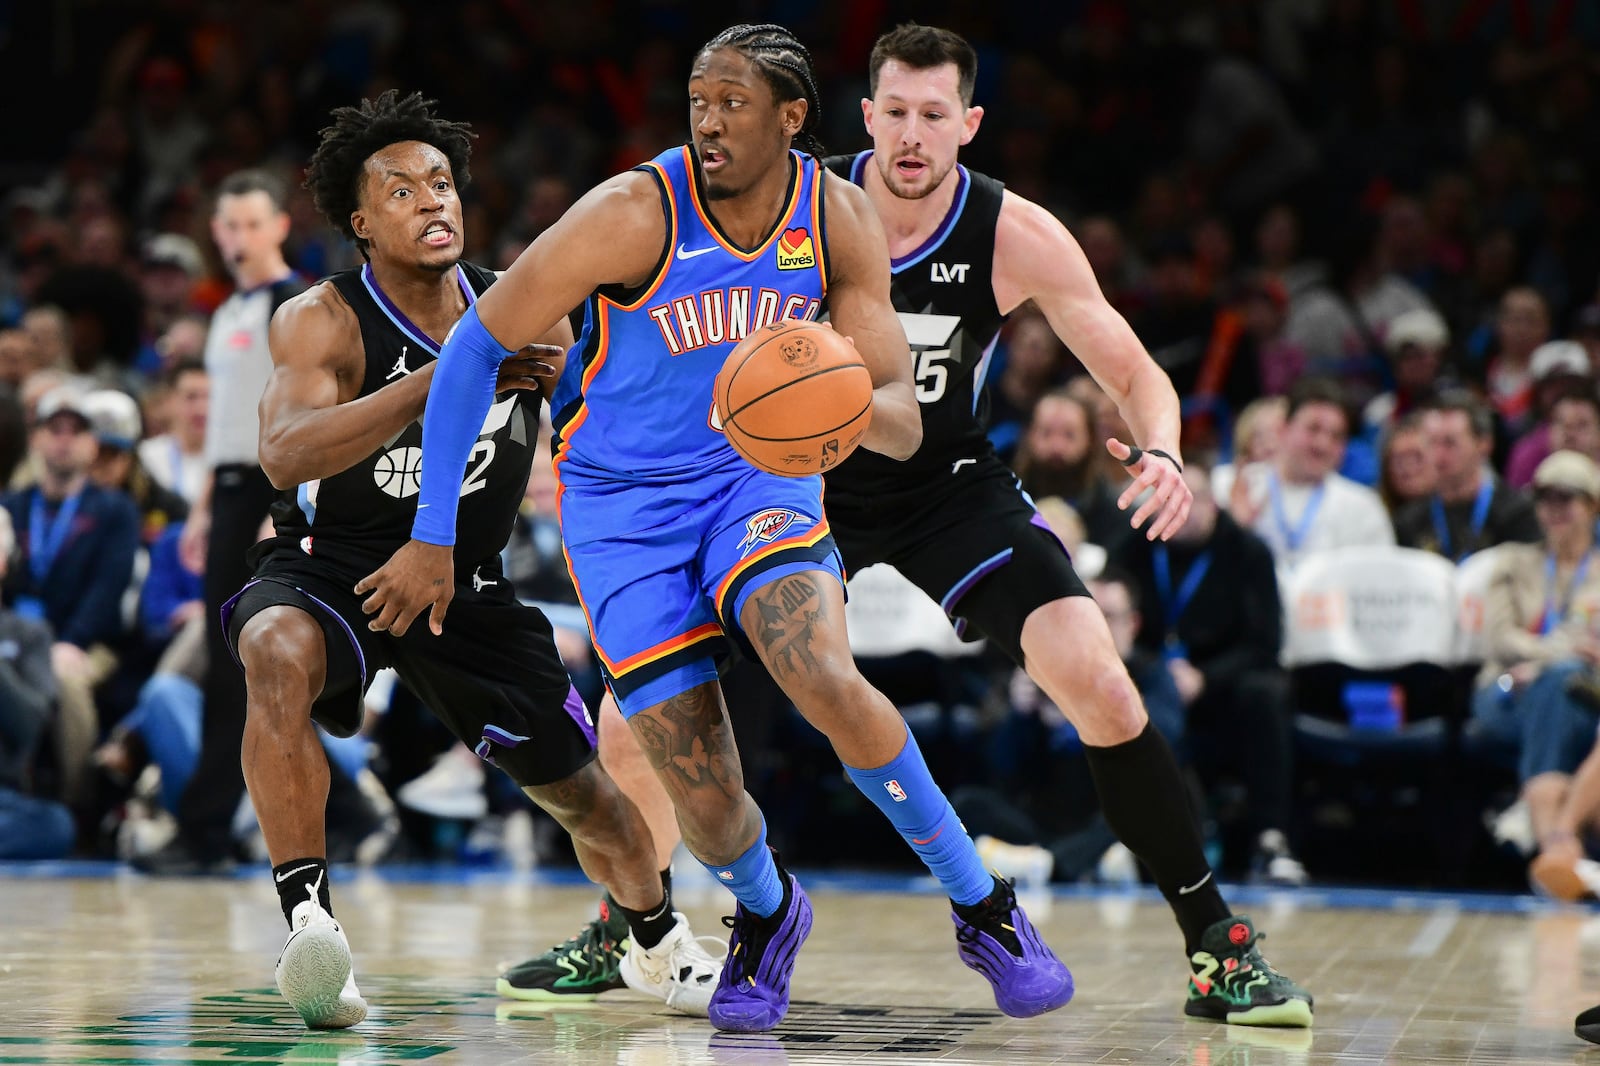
(1557, 368)
(1298, 503)
(177, 458)
(77, 549)
(169, 266)
(117, 427)
(1540, 615)
(1416, 343)
(30, 827)
(1470, 508)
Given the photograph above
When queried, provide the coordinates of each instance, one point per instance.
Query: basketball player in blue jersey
(673, 541)
(953, 520)
(353, 360)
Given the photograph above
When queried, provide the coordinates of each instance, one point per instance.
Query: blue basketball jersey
(635, 401)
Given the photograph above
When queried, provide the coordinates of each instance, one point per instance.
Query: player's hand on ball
(1168, 506)
(529, 369)
(418, 576)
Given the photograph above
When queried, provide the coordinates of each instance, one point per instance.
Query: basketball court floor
(98, 965)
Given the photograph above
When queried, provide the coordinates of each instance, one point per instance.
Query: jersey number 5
(931, 374)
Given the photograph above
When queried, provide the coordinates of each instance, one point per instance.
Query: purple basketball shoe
(753, 994)
(996, 939)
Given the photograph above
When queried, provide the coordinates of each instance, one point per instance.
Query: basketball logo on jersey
(766, 527)
(398, 472)
(795, 251)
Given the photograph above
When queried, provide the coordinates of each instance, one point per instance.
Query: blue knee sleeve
(753, 878)
(459, 398)
(905, 792)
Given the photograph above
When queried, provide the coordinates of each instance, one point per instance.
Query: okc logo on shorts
(765, 527)
(896, 793)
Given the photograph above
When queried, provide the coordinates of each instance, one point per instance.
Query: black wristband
(1135, 453)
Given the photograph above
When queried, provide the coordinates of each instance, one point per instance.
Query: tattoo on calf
(690, 738)
(788, 614)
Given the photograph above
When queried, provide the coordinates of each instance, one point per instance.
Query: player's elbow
(281, 463)
(901, 438)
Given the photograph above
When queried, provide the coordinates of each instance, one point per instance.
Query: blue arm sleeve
(458, 401)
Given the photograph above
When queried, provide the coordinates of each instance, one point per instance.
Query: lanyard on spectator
(1293, 538)
(1174, 601)
(1480, 515)
(1553, 617)
(45, 539)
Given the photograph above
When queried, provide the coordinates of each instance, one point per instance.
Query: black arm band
(1136, 453)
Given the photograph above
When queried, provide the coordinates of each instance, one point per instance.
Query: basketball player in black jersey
(340, 433)
(965, 253)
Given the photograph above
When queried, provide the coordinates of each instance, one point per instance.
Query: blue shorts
(663, 571)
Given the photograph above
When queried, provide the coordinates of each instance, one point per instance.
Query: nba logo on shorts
(765, 527)
(897, 793)
(726, 875)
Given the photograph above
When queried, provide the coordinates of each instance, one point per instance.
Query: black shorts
(493, 677)
(972, 541)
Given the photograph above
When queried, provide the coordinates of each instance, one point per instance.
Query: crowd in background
(1361, 237)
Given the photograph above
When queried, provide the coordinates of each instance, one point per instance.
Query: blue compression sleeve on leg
(907, 795)
(753, 878)
(459, 398)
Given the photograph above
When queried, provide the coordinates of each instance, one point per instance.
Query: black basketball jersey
(365, 513)
(944, 293)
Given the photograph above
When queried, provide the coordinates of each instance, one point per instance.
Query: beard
(900, 188)
(1045, 477)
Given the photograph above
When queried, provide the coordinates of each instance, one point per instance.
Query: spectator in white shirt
(1297, 503)
(177, 458)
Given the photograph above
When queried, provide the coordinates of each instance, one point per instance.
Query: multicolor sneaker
(577, 971)
(678, 970)
(996, 939)
(753, 994)
(1232, 983)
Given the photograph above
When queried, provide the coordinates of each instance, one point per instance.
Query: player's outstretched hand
(1168, 505)
(418, 576)
(529, 369)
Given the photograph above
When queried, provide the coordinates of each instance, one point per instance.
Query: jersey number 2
(483, 452)
(931, 374)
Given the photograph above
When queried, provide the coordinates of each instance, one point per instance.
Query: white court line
(1433, 933)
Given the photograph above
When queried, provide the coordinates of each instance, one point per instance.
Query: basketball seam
(733, 415)
(808, 436)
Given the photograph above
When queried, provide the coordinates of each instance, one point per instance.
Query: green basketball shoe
(576, 971)
(1232, 983)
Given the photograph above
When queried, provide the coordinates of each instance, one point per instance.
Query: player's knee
(830, 688)
(282, 651)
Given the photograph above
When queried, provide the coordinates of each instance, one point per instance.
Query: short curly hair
(334, 173)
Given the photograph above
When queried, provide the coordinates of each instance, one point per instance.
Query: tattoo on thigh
(570, 800)
(689, 738)
(788, 614)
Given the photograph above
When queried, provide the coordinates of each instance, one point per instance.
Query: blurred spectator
(52, 337)
(13, 435)
(18, 357)
(1210, 607)
(1033, 360)
(1471, 509)
(1557, 367)
(30, 827)
(1298, 503)
(1408, 474)
(1059, 457)
(1521, 326)
(169, 266)
(1258, 431)
(176, 458)
(103, 309)
(1586, 331)
(1416, 344)
(1264, 304)
(76, 562)
(1542, 627)
(1575, 423)
(117, 427)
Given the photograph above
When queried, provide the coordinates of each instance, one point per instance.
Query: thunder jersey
(634, 402)
(944, 293)
(365, 512)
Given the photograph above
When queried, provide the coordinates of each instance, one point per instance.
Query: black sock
(666, 880)
(293, 878)
(1144, 801)
(648, 928)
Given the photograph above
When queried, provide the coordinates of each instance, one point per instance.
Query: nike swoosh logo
(930, 840)
(684, 253)
(290, 873)
(1186, 889)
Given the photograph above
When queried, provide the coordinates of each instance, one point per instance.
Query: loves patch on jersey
(795, 251)
(767, 527)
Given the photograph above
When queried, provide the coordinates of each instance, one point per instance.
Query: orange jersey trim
(777, 231)
(660, 651)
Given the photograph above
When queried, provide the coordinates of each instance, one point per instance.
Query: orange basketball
(794, 398)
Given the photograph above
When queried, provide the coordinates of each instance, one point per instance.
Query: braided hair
(334, 173)
(786, 65)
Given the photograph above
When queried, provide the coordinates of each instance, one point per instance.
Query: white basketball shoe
(677, 970)
(315, 972)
